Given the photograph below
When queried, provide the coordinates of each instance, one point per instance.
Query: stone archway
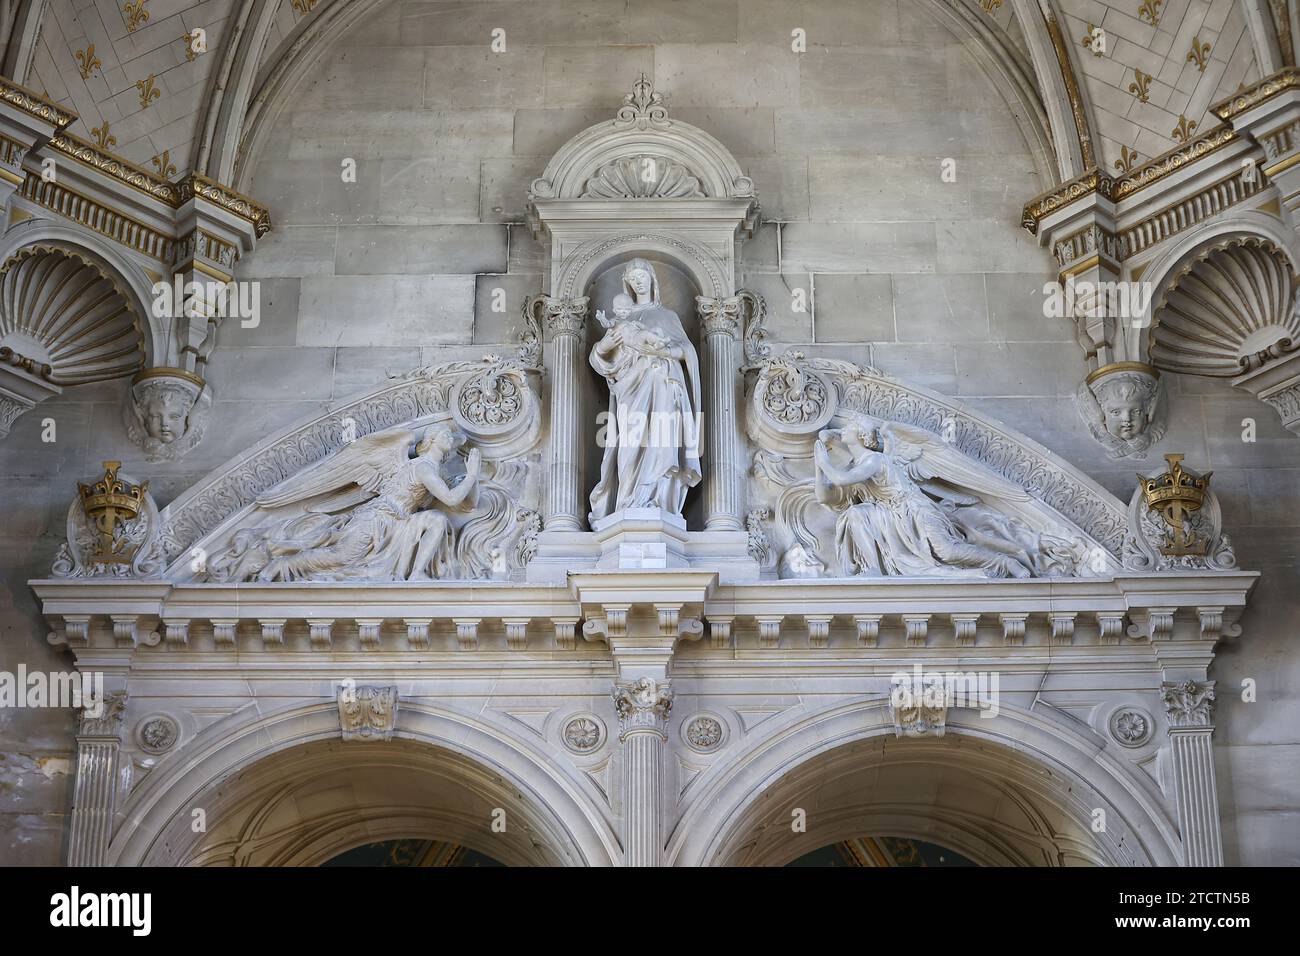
(1018, 789)
(285, 790)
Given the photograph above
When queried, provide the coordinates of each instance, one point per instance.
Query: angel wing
(926, 458)
(1090, 409)
(356, 471)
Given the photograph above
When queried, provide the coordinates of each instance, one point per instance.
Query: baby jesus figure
(625, 337)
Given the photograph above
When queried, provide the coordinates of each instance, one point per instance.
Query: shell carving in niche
(69, 321)
(1230, 311)
(643, 177)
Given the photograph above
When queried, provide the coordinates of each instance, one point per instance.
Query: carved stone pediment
(642, 154)
(1066, 523)
(432, 476)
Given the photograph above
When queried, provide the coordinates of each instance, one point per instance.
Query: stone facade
(863, 252)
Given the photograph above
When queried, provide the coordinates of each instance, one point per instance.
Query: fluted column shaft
(643, 706)
(565, 320)
(94, 794)
(720, 320)
(1187, 705)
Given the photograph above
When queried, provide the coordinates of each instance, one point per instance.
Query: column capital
(1188, 704)
(102, 718)
(719, 316)
(564, 316)
(643, 706)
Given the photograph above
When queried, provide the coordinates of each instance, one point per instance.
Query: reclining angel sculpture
(911, 505)
(372, 519)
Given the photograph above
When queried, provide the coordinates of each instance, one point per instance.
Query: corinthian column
(1187, 705)
(643, 707)
(720, 320)
(565, 321)
(94, 796)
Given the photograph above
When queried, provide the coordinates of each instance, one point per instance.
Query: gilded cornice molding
(1116, 188)
(120, 169)
(1261, 92)
(35, 105)
(173, 195)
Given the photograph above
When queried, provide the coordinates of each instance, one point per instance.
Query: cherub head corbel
(166, 412)
(1124, 406)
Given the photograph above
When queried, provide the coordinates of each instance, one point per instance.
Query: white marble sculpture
(166, 412)
(1125, 409)
(651, 437)
(375, 516)
(908, 504)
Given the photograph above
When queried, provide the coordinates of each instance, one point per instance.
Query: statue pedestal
(641, 539)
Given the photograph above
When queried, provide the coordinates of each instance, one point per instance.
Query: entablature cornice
(1197, 607)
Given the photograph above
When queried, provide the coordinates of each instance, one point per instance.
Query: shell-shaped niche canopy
(65, 320)
(1228, 311)
(642, 154)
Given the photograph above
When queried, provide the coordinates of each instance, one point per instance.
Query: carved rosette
(643, 706)
(1131, 726)
(704, 733)
(790, 403)
(1188, 703)
(367, 713)
(157, 734)
(497, 408)
(584, 734)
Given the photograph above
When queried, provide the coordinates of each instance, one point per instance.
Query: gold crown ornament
(109, 502)
(1175, 495)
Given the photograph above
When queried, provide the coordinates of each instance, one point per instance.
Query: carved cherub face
(164, 411)
(1126, 407)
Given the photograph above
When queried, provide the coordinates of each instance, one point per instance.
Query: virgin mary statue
(651, 437)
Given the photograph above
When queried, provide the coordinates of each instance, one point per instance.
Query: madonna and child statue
(650, 436)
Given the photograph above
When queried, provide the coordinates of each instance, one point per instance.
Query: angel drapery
(904, 507)
(371, 520)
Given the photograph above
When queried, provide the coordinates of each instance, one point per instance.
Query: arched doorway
(1023, 788)
(285, 790)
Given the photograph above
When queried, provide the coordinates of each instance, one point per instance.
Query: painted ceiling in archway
(883, 851)
(412, 853)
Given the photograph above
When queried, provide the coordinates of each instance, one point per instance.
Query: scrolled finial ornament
(166, 412)
(643, 107)
(1124, 406)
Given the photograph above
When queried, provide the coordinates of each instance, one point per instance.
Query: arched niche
(679, 285)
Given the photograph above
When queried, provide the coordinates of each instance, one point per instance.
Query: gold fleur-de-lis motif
(305, 6)
(1183, 131)
(166, 168)
(136, 14)
(190, 53)
(103, 137)
(1149, 10)
(1200, 54)
(1094, 40)
(1142, 88)
(1127, 160)
(88, 62)
(148, 91)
